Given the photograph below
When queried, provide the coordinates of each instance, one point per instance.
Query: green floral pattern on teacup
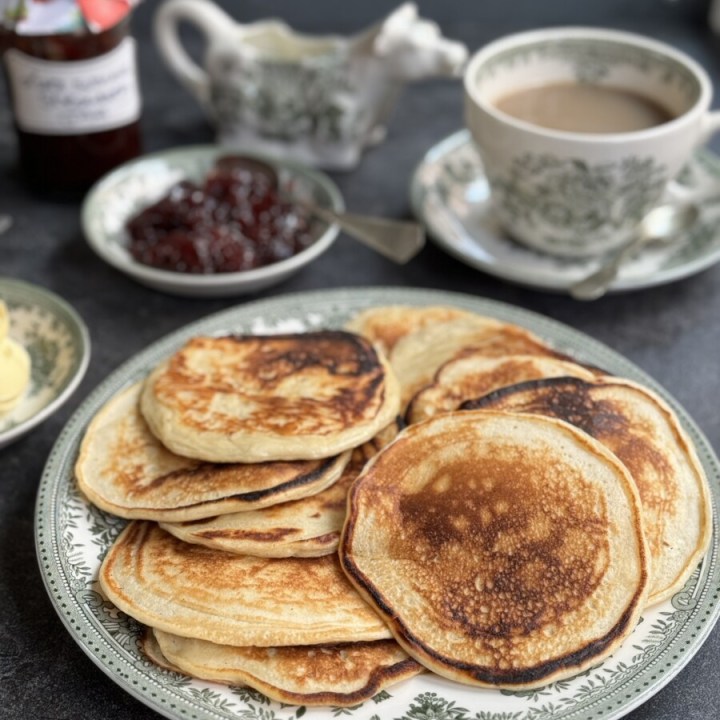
(566, 199)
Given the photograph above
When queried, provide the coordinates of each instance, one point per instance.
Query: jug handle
(210, 20)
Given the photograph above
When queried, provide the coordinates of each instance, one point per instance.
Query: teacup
(571, 192)
(319, 100)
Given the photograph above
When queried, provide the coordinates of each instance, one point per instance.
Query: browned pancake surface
(474, 374)
(124, 469)
(309, 527)
(644, 434)
(345, 367)
(339, 675)
(419, 355)
(273, 397)
(209, 594)
(497, 560)
(386, 325)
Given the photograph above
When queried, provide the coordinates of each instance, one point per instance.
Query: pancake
(417, 356)
(340, 675)
(502, 550)
(640, 428)
(212, 595)
(274, 397)
(384, 326)
(309, 527)
(150, 647)
(124, 469)
(473, 374)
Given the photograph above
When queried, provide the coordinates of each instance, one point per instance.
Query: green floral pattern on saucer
(59, 348)
(72, 538)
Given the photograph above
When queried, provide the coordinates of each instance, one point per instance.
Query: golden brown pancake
(385, 325)
(340, 675)
(640, 428)
(501, 549)
(474, 374)
(417, 356)
(124, 469)
(309, 527)
(229, 599)
(274, 397)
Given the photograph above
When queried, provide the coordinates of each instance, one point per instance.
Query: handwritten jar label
(67, 98)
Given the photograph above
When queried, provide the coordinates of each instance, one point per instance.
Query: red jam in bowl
(235, 220)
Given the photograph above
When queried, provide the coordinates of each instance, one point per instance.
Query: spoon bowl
(662, 224)
(397, 240)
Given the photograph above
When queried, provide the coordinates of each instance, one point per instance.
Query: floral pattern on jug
(319, 100)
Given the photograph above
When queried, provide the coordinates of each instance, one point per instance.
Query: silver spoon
(662, 224)
(398, 240)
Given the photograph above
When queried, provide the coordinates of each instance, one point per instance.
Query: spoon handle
(397, 240)
(595, 284)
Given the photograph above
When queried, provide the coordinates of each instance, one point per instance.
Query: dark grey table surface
(672, 332)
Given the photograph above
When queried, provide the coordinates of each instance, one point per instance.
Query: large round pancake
(417, 356)
(385, 325)
(640, 428)
(124, 469)
(502, 549)
(212, 595)
(274, 397)
(474, 374)
(339, 675)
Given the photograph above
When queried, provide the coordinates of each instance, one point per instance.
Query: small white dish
(59, 347)
(123, 192)
(451, 196)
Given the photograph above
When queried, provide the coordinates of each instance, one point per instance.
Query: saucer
(450, 195)
(59, 347)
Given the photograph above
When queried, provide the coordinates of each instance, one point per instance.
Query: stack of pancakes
(510, 535)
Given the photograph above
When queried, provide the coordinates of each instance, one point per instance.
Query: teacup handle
(209, 18)
(710, 125)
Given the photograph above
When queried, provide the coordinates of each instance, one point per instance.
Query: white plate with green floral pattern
(450, 195)
(59, 347)
(72, 538)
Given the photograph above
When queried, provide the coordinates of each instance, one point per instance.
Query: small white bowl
(59, 347)
(123, 192)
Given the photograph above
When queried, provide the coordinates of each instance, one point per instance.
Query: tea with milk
(584, 108)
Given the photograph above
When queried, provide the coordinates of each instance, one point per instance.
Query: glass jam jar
(76, 104)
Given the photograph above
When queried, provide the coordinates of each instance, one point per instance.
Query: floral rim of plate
(58, 343)
(450, 196)
(72, 536)
(141, 182)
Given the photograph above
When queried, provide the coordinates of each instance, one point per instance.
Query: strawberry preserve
(234, 220)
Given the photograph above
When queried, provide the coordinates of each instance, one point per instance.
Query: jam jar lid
(57, 17)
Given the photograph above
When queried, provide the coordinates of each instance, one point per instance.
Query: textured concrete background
(671, 332)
